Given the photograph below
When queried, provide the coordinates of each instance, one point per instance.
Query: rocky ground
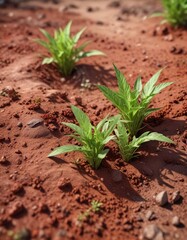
(44, 198)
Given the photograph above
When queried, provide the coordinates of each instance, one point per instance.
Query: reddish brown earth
(44, 197)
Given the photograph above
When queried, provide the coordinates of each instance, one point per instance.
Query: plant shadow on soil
(122, 189)
(94, 74)
(163, 165)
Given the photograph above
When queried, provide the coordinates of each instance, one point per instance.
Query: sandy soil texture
(43, 198)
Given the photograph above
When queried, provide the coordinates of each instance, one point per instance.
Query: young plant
(133, 104)
(95, 207)
(128, 146)
(92, 139)
(175, 12)
(63, 49)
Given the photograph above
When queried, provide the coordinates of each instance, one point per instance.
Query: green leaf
(41, 42)
(74, 127)
(47, 35)
(92, 53)
(114, 98)
(82, 119)
(47, 60)
(67, 29)
(124, 87)
(149, 86)
(103, 154)
(154, 136)
(138, 85)
(81, 47)
(150, 110)
(112, 123)
(78, 35)
(108, 139)
(64, 149)
(62, 48)
(160, 87)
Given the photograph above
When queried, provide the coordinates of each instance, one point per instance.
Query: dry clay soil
(44, 198)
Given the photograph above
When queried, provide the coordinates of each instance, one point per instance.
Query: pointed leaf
(78, 35)
(82, 119)
(47, 60)
(42, 43)
(112, 123)
(67, 29)
(124, 87)
(103, 153)
(47, 35)
(74, 127)
(92, 53)
(108, 139)
(149, 86)
(114, 98)
(150, 110)
(138, 85)
(154, 136)
(64, 149)
(161, 86)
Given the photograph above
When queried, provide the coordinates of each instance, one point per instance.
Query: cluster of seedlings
(132, 104)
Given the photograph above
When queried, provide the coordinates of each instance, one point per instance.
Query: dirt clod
(16, 209)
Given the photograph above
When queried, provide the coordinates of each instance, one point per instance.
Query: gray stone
(150, 215)
(152, 232)
(35, 122)
(41, 131)
(176, 196)
(20, 124)
(117, 176)
(176, 221)
(161, 198)
(3, 160)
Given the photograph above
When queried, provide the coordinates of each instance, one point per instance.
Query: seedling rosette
(63, 49)
(133, 104)
(128, 146)
(92, 139)
(175, 12)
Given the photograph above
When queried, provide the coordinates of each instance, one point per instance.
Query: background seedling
(133, 104)
(63, 49)
(95, 207)
(91, 138)
(128, 146)
(175, 12)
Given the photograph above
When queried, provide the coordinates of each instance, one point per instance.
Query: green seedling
(128, 146)
(23, 234)
(63, 49)
(133, 104)
(95, 207)
(175, 12)
(92, 139)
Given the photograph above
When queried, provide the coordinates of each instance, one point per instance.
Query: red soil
(46, 196)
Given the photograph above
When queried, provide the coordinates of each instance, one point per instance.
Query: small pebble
(176, 221)
(176, 196)
(161, 198)
(153, 232)
(3, 160)
(150, 215)
(20, 124)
